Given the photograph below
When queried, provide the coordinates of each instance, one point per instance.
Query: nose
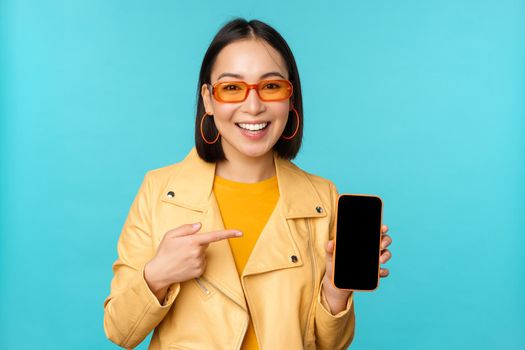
(253, 104)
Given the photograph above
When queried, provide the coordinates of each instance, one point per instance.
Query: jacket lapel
(193, 185)
(278, 242)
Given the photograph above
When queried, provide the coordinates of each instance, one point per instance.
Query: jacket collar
(192, 185)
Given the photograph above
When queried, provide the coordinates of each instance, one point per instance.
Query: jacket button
(319, 209)
(171, 194)
(294, 258)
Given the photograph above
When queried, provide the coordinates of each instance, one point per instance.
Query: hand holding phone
(357, 242)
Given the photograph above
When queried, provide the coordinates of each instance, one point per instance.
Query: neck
(242, 168)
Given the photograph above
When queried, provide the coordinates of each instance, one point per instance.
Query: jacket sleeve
(132, 311)
(333, 331)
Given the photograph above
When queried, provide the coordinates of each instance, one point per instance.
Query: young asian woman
(231, 248)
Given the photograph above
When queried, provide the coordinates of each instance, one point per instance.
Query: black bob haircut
(236, 30)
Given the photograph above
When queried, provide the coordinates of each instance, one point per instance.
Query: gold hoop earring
(296, 128)
(202, 132)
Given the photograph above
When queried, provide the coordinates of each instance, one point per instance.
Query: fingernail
(238, 233)
(196, 225)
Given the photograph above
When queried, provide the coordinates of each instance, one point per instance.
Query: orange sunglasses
(237, 91)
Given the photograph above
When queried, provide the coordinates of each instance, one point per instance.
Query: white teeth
(253, 127)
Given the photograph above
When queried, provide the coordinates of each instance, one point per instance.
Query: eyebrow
(238, 76)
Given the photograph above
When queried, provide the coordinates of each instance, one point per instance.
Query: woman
(231, 248)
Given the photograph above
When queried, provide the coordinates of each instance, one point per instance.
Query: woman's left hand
(336, 293)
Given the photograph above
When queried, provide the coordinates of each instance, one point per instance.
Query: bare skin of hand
(181, 256)
(337, 298)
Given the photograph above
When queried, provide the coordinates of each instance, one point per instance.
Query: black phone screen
(358, 235)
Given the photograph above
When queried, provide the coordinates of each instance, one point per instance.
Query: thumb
(330, 247)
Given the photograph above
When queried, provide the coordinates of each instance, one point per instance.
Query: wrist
(336, 298)
(151, 277)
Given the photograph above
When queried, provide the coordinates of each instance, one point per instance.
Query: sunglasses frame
(249, 87)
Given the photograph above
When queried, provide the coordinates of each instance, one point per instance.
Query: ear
(206, 98)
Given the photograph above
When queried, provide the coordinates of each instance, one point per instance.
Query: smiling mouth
(253, 127)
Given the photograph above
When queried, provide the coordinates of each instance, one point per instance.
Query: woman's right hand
(181, 256)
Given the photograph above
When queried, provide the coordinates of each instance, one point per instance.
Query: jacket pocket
(203, 286)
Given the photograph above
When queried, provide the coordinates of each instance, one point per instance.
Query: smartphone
(357, 242)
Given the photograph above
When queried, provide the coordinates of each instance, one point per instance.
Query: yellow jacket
(281, 282)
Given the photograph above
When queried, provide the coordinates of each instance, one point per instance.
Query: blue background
(420, 102)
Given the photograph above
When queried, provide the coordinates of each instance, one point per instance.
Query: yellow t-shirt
(246, 207)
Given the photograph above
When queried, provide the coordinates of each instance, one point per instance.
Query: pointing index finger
(215, 236)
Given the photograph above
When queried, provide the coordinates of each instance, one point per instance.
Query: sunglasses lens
(231, 92)
(269, 90)
(274, 90)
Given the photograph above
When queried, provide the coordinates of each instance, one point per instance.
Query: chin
(254, 151)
